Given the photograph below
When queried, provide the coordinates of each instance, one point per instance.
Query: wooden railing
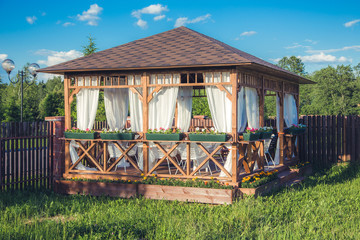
(26, 155)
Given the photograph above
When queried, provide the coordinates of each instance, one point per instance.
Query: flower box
(263, 189)
(161, 192)
(96, 188)
(117, 136)
(295, 131)
(207, 137)
(164, 137)
(251, 136)
(265, 135)
(75, 135)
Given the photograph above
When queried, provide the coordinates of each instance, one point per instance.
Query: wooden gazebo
(185, 57)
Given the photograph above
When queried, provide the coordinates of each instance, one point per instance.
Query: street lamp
(8, 65)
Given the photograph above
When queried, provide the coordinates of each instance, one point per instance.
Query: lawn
(325, 206)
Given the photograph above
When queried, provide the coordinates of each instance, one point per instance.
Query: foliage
(164, 131)
(154, 180)
(258, 179)
(293, 64)
(116, 130)
(251, 130)
(210, 131)
(266, 129)
(52, 104)
(91, 47)
(77, 130)
(325, 206)
(299, 165)
(200, 106)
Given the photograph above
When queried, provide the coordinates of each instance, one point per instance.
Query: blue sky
(321, 33)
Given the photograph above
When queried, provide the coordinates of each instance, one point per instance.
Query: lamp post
(8, 65)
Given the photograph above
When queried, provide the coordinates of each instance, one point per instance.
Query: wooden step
(294, 181)
(287, 176)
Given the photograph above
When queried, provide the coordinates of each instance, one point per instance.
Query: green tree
(293, 64)
(336, 92)
(200, 106)
(91, 47)
(52, 104)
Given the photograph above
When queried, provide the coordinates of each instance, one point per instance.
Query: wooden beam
(144, 83)
(234, 116)
(281, 125)
(157, 89)
(135, 91)
(221, 87)
(261, 104)
(76, 91)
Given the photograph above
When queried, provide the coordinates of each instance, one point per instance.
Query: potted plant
(251, 134)
(265, 132)
(296, 129)
(163, 134)
(211, 136)
(76, 133)
(122, 134)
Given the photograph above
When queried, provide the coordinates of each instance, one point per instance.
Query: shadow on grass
(336, 174)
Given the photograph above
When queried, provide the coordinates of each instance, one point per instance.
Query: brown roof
(179, 47)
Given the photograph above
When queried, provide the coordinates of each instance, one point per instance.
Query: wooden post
(281, 125)
(234, 148)
(144, 83)
(67, 106)
(261, 104)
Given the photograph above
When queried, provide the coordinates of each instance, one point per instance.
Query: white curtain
(161, 109)
(241, 112)
(162, 105)
(116, 109)
(184, 107)
(290, 110)
(136, 106)
(220, 106)
(86, 106)
(221, 109)
(87, 102)
(277, 152)
(252, 107)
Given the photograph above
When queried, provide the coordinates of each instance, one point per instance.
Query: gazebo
(153, 80)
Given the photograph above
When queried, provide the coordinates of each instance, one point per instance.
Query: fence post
(58, 155)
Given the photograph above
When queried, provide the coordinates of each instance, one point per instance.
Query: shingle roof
(179, 47)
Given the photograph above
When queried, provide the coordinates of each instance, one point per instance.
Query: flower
(129, 180)
(87, 129)
(145, 178)
(142, 174)
(227, 184)
(136, 181)
(206, 182)
(218, 181)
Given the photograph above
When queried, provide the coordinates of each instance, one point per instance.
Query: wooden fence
(26, 155)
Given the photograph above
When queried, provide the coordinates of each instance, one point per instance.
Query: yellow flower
(218, 181)
(153, 175)
(145, 178)
(129, 180)
(256, 175)
(212, 178)
(257, 178)
(243, 180)
(275, 170)
(136, 181)
(142, 174)
(162, 179)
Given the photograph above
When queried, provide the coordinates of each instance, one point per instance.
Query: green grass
(326, 206)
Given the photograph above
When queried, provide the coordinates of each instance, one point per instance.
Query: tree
(293, 64)
(52, 104)
(90, 48)
(336, 92)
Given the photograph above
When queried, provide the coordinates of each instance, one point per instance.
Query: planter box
(185, 194)
(208, 137)
(188, 194)
(304, 171)
(251, 136)
(265, 135)
(96, 188)
(80, 135)
(164, 137)
(261, 189)
(117, 136)
(295, 131)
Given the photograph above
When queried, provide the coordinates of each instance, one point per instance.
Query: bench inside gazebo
(154, 80)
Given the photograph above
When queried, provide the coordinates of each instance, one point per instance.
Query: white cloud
(91, 15)
(297, 45)
(351, 23)
(249, 33)
(68, 24)
(158, 18)
(55, 57)
(155, 9)
(3, 56)
(182, 21)
(324, 58)
(141, 23)
(311, 41)
(346, 48)
(31, 20)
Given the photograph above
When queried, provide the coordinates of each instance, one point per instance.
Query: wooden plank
(345, 138)
(281, 125)
(339, 138)
(22, 158)
(51, 169)
(2, 158)
(8, 160)
(323, 141)
(37, 154)
(353, 138)
(41, 158)
(333, 139)
(188, 158)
